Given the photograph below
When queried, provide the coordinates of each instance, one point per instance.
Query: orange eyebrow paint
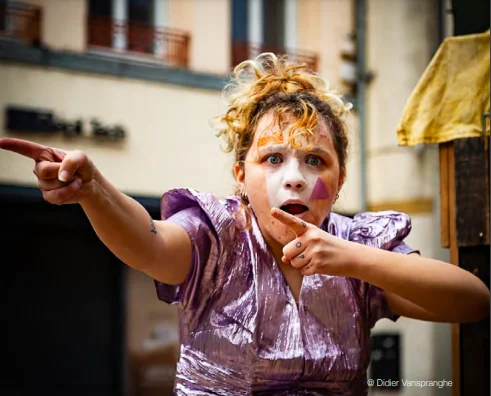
(275, 138)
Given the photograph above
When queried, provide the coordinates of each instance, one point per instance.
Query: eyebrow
(280, 147)
(318, 150)
(265, 140)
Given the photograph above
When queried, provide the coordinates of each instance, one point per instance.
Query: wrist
(92, 190)
(357, 259)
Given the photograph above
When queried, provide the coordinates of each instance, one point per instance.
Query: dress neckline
(276, 270)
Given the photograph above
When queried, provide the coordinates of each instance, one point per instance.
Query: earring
(337, 197)
(243, 196)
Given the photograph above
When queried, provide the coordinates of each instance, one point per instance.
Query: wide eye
(273, 159)
(314, 161)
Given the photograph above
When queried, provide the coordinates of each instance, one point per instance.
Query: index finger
(23, 147)
(298, 226)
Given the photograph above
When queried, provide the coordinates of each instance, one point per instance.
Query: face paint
(290, 171)
(319, 191)
(275, 138)
(272, 169)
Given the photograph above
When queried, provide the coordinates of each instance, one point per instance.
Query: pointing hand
(63, 176)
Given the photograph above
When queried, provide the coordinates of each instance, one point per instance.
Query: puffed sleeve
(210, 226)
(383, 230)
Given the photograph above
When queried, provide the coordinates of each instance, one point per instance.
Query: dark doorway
(62, 302)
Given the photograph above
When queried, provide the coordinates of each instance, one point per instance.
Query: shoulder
(181, 198)
(383, 230)
(185, 205)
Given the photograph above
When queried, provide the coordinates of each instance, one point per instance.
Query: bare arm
(160, 249)
(424, 288)
(414, 286)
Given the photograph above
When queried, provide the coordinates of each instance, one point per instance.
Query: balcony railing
(20, 21)
(243, 50)
(168, 45)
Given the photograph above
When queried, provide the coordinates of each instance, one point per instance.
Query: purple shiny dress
(240, 329)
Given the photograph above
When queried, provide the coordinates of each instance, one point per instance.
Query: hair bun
(255, 79)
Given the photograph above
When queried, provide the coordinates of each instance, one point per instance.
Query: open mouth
(294, 209)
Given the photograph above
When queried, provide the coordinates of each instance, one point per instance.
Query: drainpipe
(360, 9)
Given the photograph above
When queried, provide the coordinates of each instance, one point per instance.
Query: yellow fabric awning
(452, 95)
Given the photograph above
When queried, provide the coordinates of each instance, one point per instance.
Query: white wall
(211, 36)
(321, 26)
(208, 22)
(349, 201)
(401, 36)
(64, 25)
(170, 143)
(425, 346)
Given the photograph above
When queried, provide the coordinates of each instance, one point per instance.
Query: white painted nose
(293, 178)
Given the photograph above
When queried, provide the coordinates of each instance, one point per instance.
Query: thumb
(75, 161)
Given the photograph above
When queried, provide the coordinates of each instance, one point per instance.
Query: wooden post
(448, 239)
(464, 228)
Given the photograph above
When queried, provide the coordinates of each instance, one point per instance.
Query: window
(140, 10)
(240, 10)
(100, 26)
(273, 24)
(20, 21)
(100, 7)
(136, 28)
(265, 26)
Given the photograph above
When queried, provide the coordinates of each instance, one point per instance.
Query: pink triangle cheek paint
(319, 191)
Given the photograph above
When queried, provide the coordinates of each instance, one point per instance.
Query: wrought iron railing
(21, 21)
(243, 50)
(168, 45)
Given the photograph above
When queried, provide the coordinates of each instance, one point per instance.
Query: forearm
(431, 284)
(121, 223)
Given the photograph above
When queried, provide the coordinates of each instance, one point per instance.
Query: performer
(276, 293)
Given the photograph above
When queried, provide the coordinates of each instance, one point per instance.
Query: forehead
(268, 132)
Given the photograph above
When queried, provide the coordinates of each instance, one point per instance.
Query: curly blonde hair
(270, 83)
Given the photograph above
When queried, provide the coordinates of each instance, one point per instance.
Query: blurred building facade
(150, 74)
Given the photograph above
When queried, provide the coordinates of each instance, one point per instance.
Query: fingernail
(63, 176)
(78, 183)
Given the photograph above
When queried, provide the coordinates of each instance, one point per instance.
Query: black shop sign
(29, 120)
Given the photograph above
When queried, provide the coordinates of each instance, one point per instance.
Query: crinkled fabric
(241, 331)
(451, 96)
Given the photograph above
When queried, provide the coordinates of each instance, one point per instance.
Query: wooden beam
(475, 336)
(472, 191)
(454, 258)
(469, 232)
(444, 149)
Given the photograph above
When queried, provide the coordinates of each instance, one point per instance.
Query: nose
(293, 179)
(295, 184)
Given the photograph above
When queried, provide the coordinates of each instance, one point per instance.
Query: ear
(239, 173)
(342, 178)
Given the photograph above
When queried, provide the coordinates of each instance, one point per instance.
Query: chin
(281, 233)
